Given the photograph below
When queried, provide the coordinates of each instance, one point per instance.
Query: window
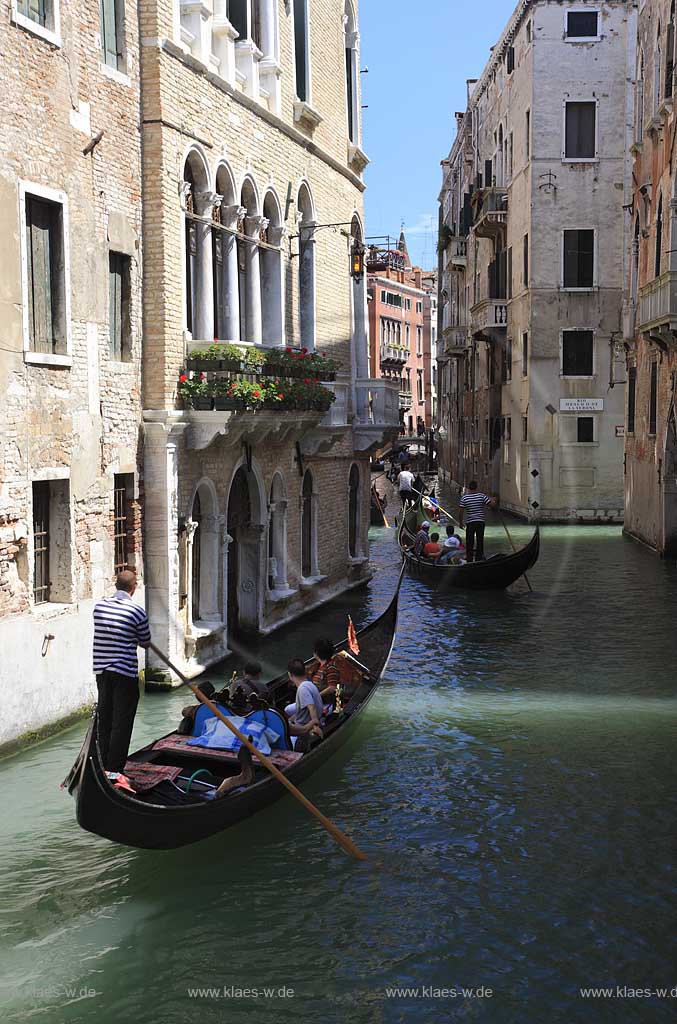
(639, 99)
(525, 354)
(670, 52)
(659, 238)
(527, 134)
(511, 149)
(508, 272)
(419, 307)
(407, 336)
(585, 429)
(51, 542)
(525, 429)
(577, 354)
(653, 395)
(307, 526)
(391, 298)
(580, 130)
(301, 49)
(419, 386)
(508, 353)
(528, 32)
(351, 70)
(419, 341)
(45, 258)
(525, 261)
(122, 492)
(353, 509)
(579, 259)
(632, 386)
(510, 60)
(582, 24)
(407, 303)
(41, 17)
(112, 33)
(119, 320)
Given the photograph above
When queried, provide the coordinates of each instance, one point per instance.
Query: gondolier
(473, 506)
(120, 626)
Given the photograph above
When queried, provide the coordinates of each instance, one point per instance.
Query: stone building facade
(70, 271)
(253, 213)
(532, 264)
(650, 321)
(400, 334)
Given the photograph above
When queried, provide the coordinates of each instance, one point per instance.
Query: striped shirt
(475, 503)
(120, 626)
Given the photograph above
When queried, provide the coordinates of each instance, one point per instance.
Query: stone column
(226, 541)
(190, 528)
(672, 255)
(230, 215)
(203, 314)
(209, 567)
(162, 580)
(307, 284)
(223, 41)
(272, 289)
(360, 346)
(253, 279)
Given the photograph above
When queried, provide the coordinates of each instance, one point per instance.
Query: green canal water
(513, 783)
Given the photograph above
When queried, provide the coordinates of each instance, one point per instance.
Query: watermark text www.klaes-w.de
(434, 992)
(628, 992)
(241, 992)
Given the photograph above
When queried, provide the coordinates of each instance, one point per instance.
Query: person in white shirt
(405, 483)
(305, 713)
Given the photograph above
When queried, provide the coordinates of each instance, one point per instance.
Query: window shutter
(39, 220)
(109, 42)
(510, 59)
(580, 131)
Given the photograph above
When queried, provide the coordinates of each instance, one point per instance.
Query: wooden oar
(448, 514)
(348, 845)
(512, 545)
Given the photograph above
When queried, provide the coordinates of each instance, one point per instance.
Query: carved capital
(277, 234)
(254, 225)
(190, 527)
(205, 201)
(230, 215)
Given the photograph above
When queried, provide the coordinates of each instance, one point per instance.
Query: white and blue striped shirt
(120, 626)
(474, 503)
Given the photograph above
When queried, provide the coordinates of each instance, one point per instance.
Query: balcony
(377, 419)
(455, 340)
(491, 216)
(392, 355)
(405, 400)
(456, 253)
(488, 315)
(658, 304)
(332, 427)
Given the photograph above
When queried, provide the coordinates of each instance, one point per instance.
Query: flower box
(201, 365)
(223, 403)
(202, 402)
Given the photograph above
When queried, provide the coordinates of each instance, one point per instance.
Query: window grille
(120, 524)
(41, 542)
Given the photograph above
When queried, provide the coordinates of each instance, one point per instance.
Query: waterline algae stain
(513, 783)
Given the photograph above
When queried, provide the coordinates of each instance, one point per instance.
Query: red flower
(306, 381)
(302, 355)
(288, 351)
(182, 379)
(324, 355)
(315, 380)
(256, 394)
(203, 376)
(304, 350)
(280, 396)
(215, 338)
(277, 383)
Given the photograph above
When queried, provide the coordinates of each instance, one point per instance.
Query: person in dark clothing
(120, 626)
(473, 505)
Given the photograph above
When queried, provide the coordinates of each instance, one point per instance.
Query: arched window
(657, 72)
(196, 581)
(271, 267)
(308, 560)
(277, 535)
(659, 238)
(499, 157)
(634, 268)
(306, 268)
(351, 72)
(197, 203)
(249, 228)
(353, 510)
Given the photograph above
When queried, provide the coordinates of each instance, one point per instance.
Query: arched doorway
(196, 581)
(353, 510)
(307, 527)
(244, 552)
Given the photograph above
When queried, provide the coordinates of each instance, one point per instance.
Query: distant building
(650, 322)
(400, 328)
(531, 265)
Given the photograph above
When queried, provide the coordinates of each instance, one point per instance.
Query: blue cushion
(266, 717)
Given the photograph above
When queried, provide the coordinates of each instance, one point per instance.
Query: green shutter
(39, 230)
(109, 35)
(33, 9)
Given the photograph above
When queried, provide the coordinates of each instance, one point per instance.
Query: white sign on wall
(581, 405)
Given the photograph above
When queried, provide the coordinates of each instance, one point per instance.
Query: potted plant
(225, 395)
(323, 367)
(253, 360)
(231, 357)
(196, 392)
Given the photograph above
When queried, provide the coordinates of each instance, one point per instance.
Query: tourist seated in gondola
(245, 685)
(421, 539)
(433, 549)
(324, 671)
(306, 713)
(452, 547)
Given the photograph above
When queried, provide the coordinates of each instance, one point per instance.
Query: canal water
(513, 783)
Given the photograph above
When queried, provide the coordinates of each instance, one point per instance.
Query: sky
(419, 57)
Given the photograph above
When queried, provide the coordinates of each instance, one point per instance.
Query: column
(272, 288)
(190, 527)
(162, 579)
(203, 314)
(230, 215)
(253, 279)
(223, 41)
(209, 568)
(360, 346)
(269, 68)
(307, 284)
(226, 541)
(672, 255)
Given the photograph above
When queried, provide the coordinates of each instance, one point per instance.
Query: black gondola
(494, 573)
(377, 508)
(166, 817)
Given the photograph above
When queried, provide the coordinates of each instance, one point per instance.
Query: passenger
(188, 714)
(432, 549)
(325, 672)
(421, 538)
(452, 547)
(305, 714)
(250, 681)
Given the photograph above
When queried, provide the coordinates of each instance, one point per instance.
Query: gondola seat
(268, 717)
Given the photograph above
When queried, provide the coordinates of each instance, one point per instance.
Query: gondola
(377, 508)
(175, 812)
(494, 573)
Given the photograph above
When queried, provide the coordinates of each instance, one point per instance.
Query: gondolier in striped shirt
(473, 507)
(120, 626)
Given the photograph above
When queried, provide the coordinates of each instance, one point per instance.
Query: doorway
(244, 554)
